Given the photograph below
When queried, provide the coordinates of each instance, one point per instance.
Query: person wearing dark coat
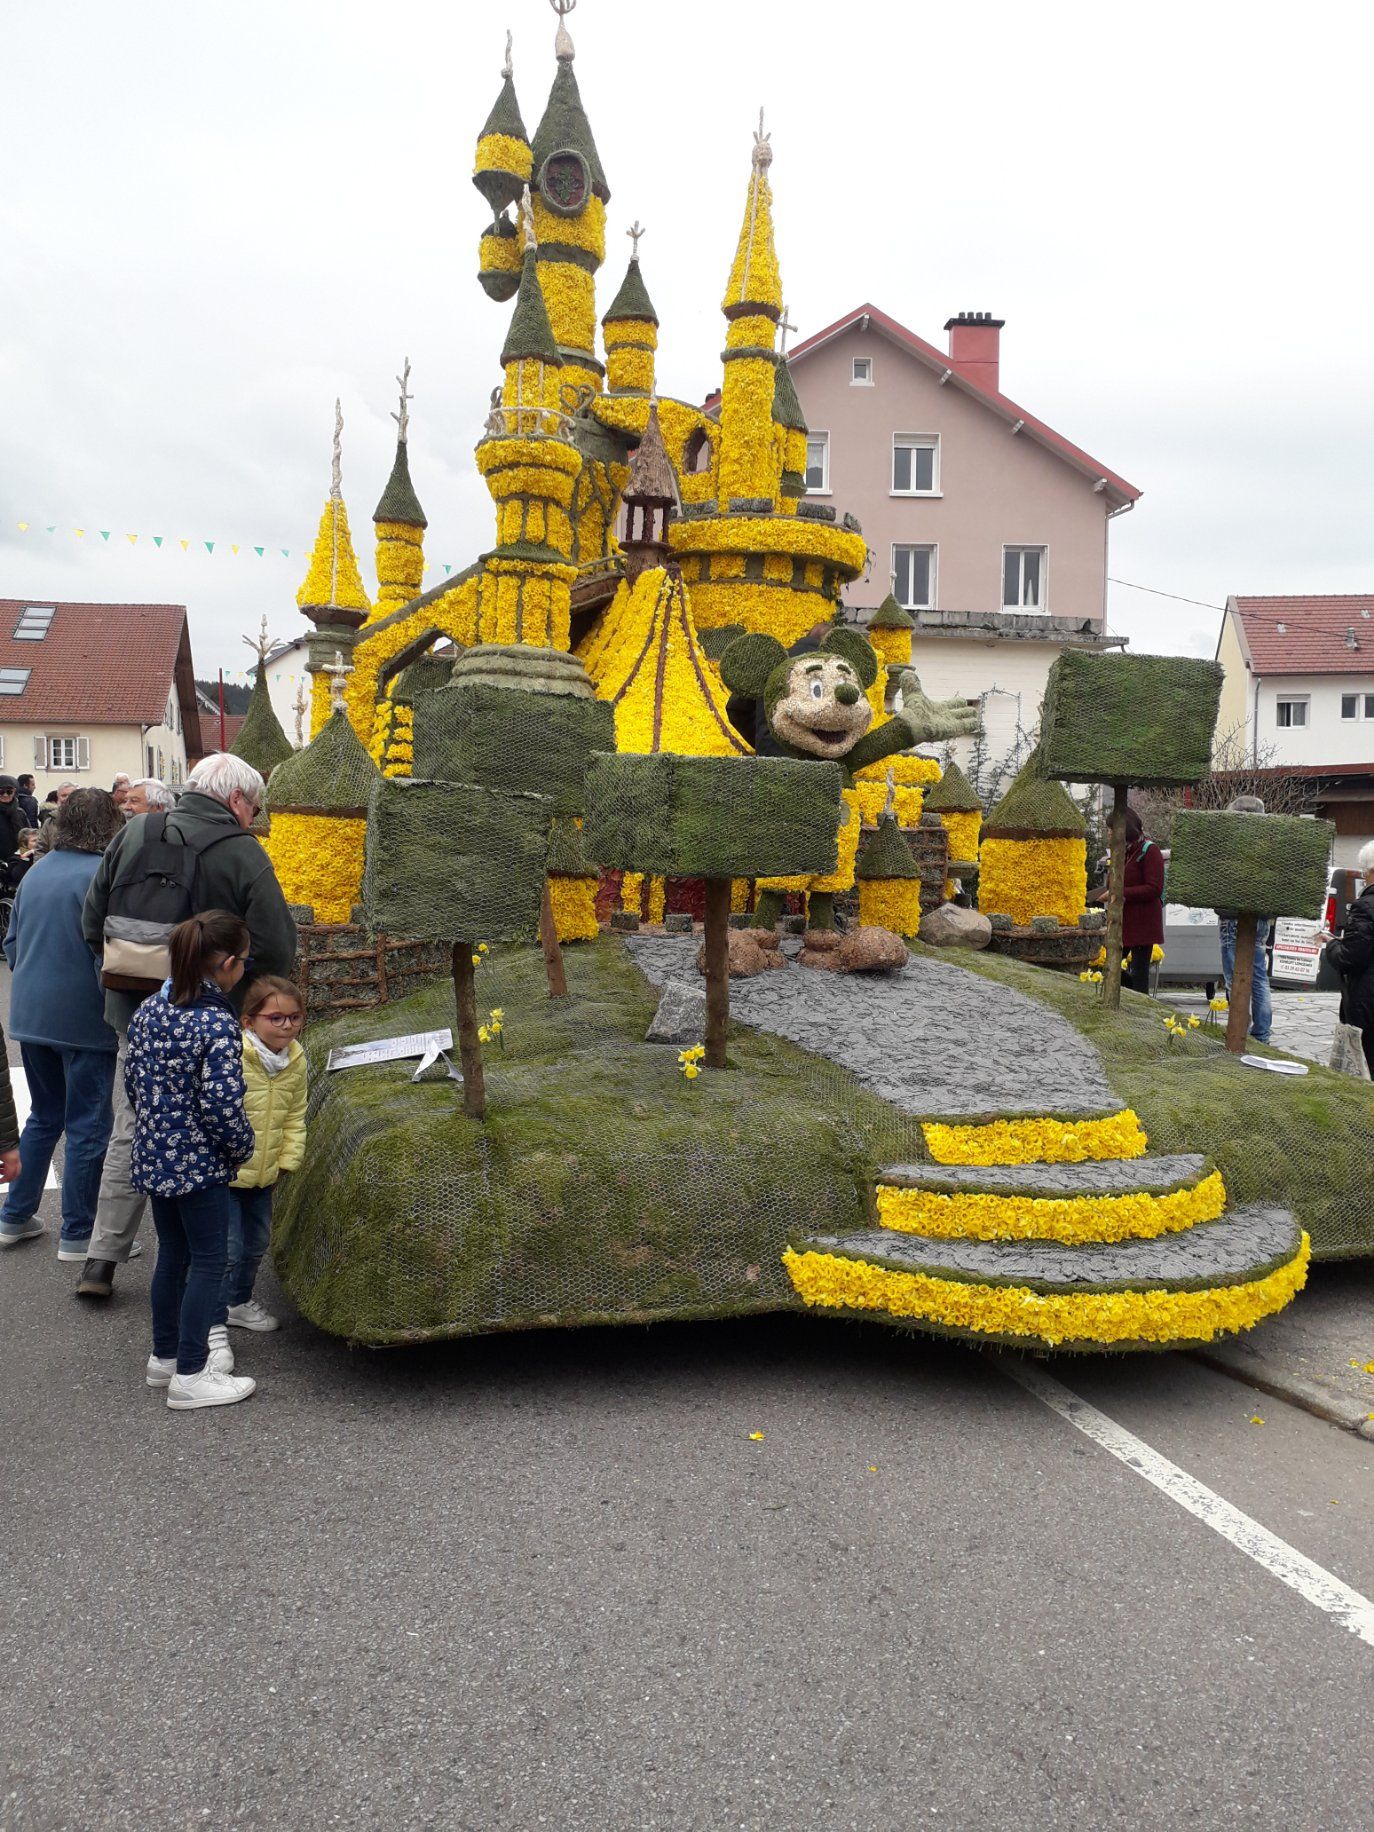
(1352, 955)
(1142, 921)
(27, 800)
(13, 821)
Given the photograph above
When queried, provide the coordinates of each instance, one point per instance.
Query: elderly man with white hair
(147, 796)
(222, 798)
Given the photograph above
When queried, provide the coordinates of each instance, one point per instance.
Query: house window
(67, 753)
(150, 756)
(915, 464)
(33, 623)
(14, 680)
(1291, 712)
(913, 577)
(1350, 706)
(1023, 578)
(862, 376)
(818, 462)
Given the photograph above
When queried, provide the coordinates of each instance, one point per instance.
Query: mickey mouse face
(822, 709)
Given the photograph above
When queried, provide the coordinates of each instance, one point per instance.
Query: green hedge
(1130, 719)
(1269, 864)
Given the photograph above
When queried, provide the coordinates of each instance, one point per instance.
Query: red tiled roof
(1306, 635)
(999, 403)
(98, 664)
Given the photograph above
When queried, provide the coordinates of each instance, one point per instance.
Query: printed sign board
(390, 1049)
(1297, 951)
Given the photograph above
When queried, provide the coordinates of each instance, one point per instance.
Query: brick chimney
(974, 338)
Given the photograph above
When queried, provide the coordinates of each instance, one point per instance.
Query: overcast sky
(215, 219)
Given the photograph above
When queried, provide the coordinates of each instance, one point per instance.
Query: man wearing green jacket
(223, 794)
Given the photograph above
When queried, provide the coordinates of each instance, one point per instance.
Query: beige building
(90, 690)
(990, 527)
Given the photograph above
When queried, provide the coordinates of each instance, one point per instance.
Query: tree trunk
(469, 1044)
(717, 942)
(553, 952)
(1242, 977)
(1116, 900)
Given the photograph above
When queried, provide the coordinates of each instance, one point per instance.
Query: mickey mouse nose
(846, 693)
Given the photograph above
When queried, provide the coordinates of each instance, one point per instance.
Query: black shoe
(97, 1279)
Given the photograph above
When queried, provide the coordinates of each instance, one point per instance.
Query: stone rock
(822, 941)
(624, 922)
(767, 938)
(681, 1014)
(741, 919)
(746, 957)
(872, 950)
(827, 959)
(1093, 919)
(953, 927)
(1002, 924)
(677, 922)
(1044, 925)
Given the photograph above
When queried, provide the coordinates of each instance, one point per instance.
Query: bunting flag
(215, 548)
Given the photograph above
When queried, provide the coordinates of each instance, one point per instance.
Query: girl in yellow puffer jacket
(274, 1070)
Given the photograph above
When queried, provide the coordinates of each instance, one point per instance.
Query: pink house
(989, 526)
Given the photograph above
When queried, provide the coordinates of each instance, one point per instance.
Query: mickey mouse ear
(747, 662)
(857, 650)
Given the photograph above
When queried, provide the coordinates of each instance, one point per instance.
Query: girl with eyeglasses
(275, 1072)
(184, 1078)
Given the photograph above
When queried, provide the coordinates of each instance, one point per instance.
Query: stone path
(933, 1039)
(1303, 1021)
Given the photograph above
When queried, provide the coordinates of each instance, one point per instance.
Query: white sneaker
(188, 1392)
(221, 1357)
(251, 1315)
(136, 1249)
(161, 1369)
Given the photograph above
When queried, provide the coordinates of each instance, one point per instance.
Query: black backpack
(148, 902)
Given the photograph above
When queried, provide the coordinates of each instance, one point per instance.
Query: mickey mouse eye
(817, 690)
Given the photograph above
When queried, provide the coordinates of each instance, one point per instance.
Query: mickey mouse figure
(809, 702)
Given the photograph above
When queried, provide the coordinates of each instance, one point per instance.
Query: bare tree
(1238, 768)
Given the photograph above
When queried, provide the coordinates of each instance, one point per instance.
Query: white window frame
(813, 436)
(1025, 547)
(861, 381)
(35, 620)
(1355, 699)
(1292, 702)
(12, 685)
(933, 550)
(72, 763)
(915, 442)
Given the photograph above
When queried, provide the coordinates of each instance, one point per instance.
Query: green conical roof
(567, 856)
(505, 117)
(953, 794)
(565, 128)
(889, 615)
(786, 407)
(530, 333)
(332, 775)
(1034, 808)
(261, 740)
(632, 301)
(885, 854)
(399, 503)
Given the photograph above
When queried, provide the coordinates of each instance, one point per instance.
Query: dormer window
(14, 680)
(34, 622)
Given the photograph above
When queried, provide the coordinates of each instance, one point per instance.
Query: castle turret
(650, 498)
(750, 467)
(332, 594)
(791, 424)
(399, 521)
(630, 326)
(504, 163)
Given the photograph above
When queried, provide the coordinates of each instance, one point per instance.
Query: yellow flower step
(1047, 1139)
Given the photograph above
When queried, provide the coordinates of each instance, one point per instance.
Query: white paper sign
(389, 1049)
(1297, 952)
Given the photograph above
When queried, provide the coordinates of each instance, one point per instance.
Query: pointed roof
(632, 301)
(647, 661)
(755, 284)
(884, 853)
(565, 128)
(530, 334)
(953, 794)
(333, 581)
(1034, 808)
(787, 409)
(505, 118)
(891, 616)
(398, 502)
(332, 775)
(652, 477)
(261, 740)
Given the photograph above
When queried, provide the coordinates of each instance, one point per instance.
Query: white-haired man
(148, 796)
(222, 798)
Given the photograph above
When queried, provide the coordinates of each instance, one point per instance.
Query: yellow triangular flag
(80, 533)
(131, 538)
(233, 547)
(23, 527)
(185, 546)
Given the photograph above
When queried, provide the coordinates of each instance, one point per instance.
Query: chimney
(973, 346)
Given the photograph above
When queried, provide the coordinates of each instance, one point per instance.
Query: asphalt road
(553, 1581)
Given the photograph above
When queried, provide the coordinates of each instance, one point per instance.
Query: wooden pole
(717, 943)
(469, 1044)
(1242, 976)
(553, 952)
(1116, 900)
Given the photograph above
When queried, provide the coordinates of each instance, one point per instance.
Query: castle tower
(750, 469)
(399, 522)
(630, 326)
(790, 422)
(331, 594)
(502, 171)
(569, 198)
(650, 498)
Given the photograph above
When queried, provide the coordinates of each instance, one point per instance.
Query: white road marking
(22, 1104)
(1318, 1586)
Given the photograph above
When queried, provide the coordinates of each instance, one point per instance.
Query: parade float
(629, 810)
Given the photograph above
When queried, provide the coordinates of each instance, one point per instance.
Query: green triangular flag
(53, 528)
(104, 534)
(286, 553)
(209, 547)
(448, 569)
(157, 540)
(259, 551)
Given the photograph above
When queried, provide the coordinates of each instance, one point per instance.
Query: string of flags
(185, 543)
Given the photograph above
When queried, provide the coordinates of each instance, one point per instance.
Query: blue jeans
(188, 1280)
(71, 1093)
(1261, 1000)
(250, 1229)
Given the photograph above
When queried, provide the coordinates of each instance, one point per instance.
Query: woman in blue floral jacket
(184, 1079)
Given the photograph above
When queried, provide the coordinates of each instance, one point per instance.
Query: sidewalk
(1304, 1022)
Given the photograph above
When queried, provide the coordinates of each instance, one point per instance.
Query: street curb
(1243, 1365)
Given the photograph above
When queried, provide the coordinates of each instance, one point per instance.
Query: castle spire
(504, 159)
(630, 328)
(755, 286)
(399, 520)
(332, 591)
